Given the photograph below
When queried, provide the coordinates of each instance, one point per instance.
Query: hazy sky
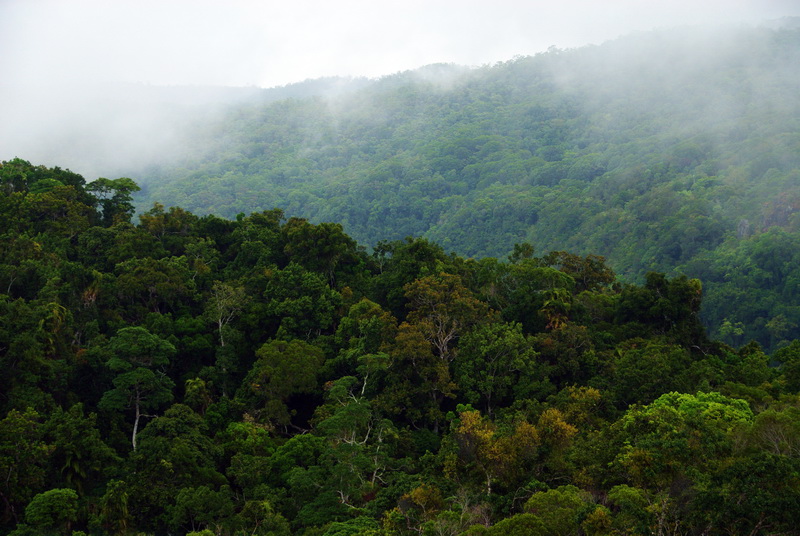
(268, 43)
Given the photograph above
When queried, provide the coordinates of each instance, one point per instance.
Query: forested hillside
(676, 151)
(264, 375)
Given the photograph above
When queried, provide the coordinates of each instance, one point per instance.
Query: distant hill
(673, 150)
(112, 129)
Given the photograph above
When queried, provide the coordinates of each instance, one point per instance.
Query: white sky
(268, 43)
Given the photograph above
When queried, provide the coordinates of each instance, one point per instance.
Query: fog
(105, 88)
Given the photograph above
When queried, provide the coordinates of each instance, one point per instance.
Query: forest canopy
(268, 375)
(674, 151)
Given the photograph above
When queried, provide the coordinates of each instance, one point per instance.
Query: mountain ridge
(653, 150)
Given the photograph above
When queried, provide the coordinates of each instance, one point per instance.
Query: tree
(755, 494)
(172, 228)
(260, 519)
(646, 369)
(632, 506)
(322, 248)
(664, 307)
(300, 302)
(146, 285)
(138, 358)
(199, 507)
(114, 512)
(559, 509)
(364, 335)
(402, 262)
(353, 527)
(536, 296)
(175, 452)
(282, 369)
(225, 304)
(359, 439)
(249, 446)
(789, 359)
(569, 354)
(115, 197)
(589, 273)
(678, 435)
(417, 381)
(23, 460)
(555, 435)
(55, 509)
(777, 431)
(79, 453)
(58, 211)
(498, 455)
(517, 525)
(254, 241)
(366, 328)
(35, 351)
(197, 394)
(495, 364)
(443, 308)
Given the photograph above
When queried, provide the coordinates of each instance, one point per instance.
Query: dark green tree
(138, 358)
(282, 369)
(115, 197)
(23, 461)
(53, 511)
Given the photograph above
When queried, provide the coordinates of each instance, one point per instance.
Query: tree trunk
(136, 420)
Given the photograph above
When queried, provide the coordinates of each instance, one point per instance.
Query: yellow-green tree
(497, 454)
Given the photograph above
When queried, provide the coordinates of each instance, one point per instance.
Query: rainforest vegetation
(265, 375)
(675, 151)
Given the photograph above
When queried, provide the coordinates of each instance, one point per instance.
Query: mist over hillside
(416, 152)
(113, 129)
(558, 294)
(674, 150)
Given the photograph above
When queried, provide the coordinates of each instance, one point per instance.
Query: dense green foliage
(265, 375)
(675, 151)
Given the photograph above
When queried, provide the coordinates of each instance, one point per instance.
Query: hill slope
(195, 375)
(670, 151)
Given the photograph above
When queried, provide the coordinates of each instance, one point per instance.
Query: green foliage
(137, 347)
(760, 491)
(360, 526)
(519, 525)
(135, 354)
(417, 380)
(645, 369)
(23, 459)
(631, 506)
(55, 509)
(665, 307)
(115, 197)
(660, 444)
(324, 391)
(282, 370)
(301, 303)
(592, 150)
(560, 509)
(442, 308)
(176, 454)
(201, 506)
(789, 359)
(79, 454)
(495, 364)
(114, 512)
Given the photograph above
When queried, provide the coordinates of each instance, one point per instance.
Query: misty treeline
(268, 376)
(675, 151)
